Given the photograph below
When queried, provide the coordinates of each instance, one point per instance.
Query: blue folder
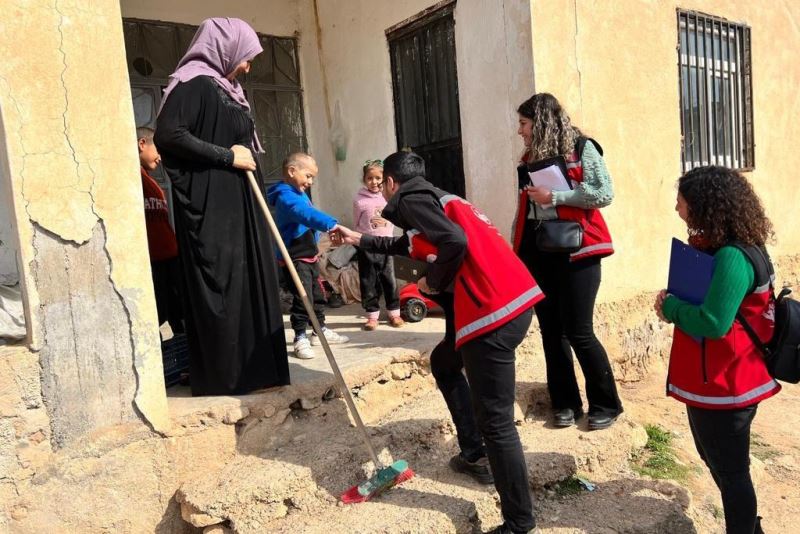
(690, 272)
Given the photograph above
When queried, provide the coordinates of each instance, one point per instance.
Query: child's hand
(378, 221)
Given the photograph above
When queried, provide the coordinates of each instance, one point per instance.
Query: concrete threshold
(364, 359)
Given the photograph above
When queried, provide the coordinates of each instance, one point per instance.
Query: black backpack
(782, 352)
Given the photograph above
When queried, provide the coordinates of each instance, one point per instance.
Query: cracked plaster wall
(619, 82)
(69, 136)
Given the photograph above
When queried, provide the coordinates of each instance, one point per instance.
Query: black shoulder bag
(556, 235)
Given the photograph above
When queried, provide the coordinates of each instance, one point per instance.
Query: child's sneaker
(302, 349)
(396, 321)
(332, 337)
(370, 325)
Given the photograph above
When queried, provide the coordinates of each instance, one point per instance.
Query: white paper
(551, 178)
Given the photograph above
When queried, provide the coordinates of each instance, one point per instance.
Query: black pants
(722, 438)
(566, 319)
(309, 276)
(483, 408)
(376, 277)
(166, 286)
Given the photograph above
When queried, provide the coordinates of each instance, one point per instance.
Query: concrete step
(294, 487)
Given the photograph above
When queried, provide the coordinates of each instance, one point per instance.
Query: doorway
(425, 87)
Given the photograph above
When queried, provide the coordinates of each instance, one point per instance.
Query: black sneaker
(479, 469)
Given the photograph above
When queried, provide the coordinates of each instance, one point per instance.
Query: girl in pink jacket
(375, 271)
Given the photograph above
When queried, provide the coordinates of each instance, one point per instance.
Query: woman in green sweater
(715, 369)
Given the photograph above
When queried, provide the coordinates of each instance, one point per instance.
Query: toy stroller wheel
(415, 310)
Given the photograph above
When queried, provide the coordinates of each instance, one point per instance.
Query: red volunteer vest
(596, 237)
(492, 286)
(728, 372)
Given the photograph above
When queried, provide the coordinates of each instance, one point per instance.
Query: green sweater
(732, 280)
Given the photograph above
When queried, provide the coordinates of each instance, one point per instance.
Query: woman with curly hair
(715, 368)
(569, 279)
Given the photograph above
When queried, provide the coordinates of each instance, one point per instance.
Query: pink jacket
(367, 205)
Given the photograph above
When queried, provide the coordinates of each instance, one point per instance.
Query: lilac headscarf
(219, 45)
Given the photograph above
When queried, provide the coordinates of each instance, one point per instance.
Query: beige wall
(272, 17)
(76, 193)
(614, 67)
(355, 58)
(494, 73)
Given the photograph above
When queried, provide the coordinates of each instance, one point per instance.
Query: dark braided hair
(723, 207)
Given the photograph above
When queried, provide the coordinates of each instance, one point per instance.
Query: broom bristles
(384, 479)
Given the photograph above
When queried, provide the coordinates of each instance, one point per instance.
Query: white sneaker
(332, 337)
(302, 349)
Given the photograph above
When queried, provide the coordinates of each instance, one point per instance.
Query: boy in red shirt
(161, 241)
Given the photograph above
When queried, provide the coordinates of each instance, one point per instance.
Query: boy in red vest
(488, 295)
(161, 241)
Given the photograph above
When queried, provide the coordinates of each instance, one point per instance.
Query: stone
(37, 437)
(192, 515)
(401, 371)
(234, 415)
(310, 403)
(638, 436)
(787, 462)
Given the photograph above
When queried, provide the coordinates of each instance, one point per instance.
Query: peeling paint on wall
(75, 183)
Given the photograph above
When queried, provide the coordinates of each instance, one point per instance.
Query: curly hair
(553, 132)
(723, 207)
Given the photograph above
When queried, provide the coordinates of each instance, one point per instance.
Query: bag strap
(763, 272)
(580, 144)
(760, 345)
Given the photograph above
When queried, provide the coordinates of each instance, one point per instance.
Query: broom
(385, 476)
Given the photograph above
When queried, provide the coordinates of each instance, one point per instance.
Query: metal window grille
(716, 92)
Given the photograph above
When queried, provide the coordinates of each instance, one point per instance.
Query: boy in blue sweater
(299, 224)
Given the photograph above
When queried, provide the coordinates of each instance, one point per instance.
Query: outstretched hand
(341, 235)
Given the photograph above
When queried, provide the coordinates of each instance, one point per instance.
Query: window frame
(139, 81)
(722, 52)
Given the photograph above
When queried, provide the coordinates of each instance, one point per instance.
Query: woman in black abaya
(204, 133)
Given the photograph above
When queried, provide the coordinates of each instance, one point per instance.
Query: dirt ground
(775, 453)
(292, 483)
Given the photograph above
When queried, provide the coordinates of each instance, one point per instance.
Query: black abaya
(233, 315)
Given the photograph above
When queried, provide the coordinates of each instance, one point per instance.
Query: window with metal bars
(272, 87)
(716, 92)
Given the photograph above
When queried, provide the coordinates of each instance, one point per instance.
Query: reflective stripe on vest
(498, 315)
(727, 400)
(592, 248)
